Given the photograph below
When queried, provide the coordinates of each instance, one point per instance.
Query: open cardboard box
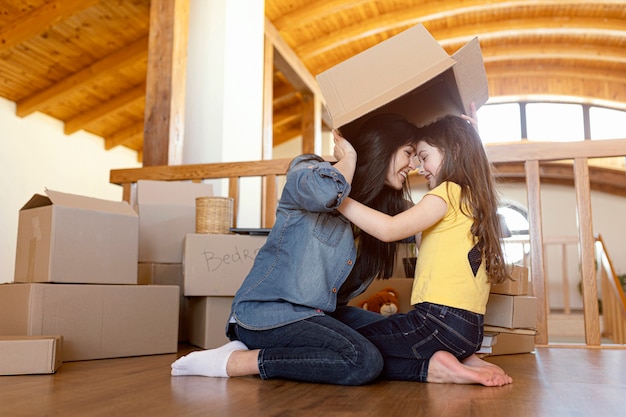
(409, 74)
(67, 238)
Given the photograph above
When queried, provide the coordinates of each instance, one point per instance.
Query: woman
(282, 323)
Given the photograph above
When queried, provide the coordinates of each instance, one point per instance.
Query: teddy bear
(384, 302)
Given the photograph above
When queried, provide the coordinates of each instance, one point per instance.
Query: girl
(284, 320)
(459, 257)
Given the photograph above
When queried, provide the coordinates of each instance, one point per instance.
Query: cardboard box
(511, 343)
(167, 212)
(511, 311)
(208, 317)
(24, 355)
(519, 285)
(218, 264)
(69, 238)
(402, 285)
(149, 273)
(96, 321)
(410, 74)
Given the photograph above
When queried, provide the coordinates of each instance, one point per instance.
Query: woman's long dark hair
(376, 145)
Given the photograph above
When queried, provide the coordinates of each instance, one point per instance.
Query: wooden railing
(529, 153)
(613, 298)
(268, 171)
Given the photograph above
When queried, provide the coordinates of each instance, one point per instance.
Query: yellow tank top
(443, 273)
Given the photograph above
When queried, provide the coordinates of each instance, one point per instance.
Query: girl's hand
(343, 148)
(473, 117)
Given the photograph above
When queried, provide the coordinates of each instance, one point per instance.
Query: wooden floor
(551, 382)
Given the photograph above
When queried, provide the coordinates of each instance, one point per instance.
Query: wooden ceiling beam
(543, 50)
(286, 118)
(115, 105)
(290, 65)
(575, 84)
(462, 33)
(287, 135)
(123, 136)
(123, 57)
(38, 20)
(287, 62)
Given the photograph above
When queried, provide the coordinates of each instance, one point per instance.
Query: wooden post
(586, 248)
(164, 117)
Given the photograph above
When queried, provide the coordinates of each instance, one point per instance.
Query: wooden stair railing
(531, 154)
(613, 298)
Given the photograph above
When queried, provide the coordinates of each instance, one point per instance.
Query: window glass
(499, 122)
(607, 123)
(555, 122)
(516, 246)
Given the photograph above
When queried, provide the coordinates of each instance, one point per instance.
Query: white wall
(35, 154)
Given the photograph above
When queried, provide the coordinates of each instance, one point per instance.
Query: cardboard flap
(89, 203)
(364, 82)
(171, 193)
(469, 72)
(37, 200)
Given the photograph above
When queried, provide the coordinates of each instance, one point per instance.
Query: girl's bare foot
(445, 368)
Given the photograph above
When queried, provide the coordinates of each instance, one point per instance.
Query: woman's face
(430, 160)
(401, 164)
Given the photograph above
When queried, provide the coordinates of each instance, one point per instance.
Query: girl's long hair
(376, 144)
(465, 163)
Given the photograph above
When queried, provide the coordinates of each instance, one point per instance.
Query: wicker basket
(214, 215)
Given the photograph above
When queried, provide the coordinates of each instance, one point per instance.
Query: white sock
(210, 362)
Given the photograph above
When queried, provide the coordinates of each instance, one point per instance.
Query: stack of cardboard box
(512, 315)
(75, 285)
(208, 268)
(215, 265)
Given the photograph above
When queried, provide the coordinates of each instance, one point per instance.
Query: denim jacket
(308, 254)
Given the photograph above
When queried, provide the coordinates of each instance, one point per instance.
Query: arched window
(516, 245)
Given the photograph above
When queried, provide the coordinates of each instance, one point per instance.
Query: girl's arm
(428, 211)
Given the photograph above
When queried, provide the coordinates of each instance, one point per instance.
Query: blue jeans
(318, 349)
(355, 317)
(407, 341)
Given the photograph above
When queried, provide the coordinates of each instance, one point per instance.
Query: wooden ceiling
(84, 61)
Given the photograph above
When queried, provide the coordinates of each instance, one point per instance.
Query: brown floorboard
(551, 382)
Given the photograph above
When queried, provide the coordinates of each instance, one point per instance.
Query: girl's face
(401, 164)
(430, 160)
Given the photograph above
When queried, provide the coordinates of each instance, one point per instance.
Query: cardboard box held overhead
(167, 212)
(69, 238)
(409, 74)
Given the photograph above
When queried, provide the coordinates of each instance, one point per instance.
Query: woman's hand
(343, 148)
(346, 156)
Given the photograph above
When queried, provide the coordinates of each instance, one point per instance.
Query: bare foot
(475, 361)
(445, 368)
